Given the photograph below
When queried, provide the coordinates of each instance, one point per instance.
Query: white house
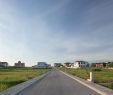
(80, 64)
(3, 64)
(41, 65)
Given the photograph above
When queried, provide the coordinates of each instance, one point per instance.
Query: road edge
(98, 88)
(20, 87)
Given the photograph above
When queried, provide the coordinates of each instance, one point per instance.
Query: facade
(101, 64)
(41, 65)
(58, 65)
(19, 64)
(80, 64)
(98, 65)
(3, 64)
(68, 64)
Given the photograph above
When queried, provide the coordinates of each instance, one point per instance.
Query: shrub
(96, 69)
(110, 65)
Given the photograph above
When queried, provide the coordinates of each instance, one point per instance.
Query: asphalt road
(56, 83)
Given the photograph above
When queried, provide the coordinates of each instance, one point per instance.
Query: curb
(98, 88)
(20, 87)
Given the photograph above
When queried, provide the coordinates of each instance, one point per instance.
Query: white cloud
(32, 39)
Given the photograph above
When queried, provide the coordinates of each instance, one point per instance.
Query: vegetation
(110, 65)
(101, 76)
(12, 76)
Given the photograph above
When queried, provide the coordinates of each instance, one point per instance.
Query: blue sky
(55, 30)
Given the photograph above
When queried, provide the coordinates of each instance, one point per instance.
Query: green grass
(13, 76)
(101, 76)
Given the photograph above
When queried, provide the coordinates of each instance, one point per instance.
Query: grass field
(12, 76)
(101, 76)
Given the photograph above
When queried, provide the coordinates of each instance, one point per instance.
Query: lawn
(13, 76)
(101, 76)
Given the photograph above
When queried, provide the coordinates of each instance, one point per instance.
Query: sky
(55, 30)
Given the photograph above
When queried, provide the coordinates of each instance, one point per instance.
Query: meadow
(100, 75)
(13, 76)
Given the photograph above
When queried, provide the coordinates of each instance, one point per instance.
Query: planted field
(12, 76)
(101, 76)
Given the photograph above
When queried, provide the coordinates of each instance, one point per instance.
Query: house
(80, 64)
(68, 64)
(58, 65)
(41, 65)
(19, 64)
(101, 64)
(3, 64)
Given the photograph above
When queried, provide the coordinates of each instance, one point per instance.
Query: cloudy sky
(55, 30)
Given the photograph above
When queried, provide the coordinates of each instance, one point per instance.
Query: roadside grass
(100, 75)
(13, 76)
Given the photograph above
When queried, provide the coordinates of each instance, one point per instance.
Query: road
(56, 83)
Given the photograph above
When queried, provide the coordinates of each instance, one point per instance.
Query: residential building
(68, 64)
(41, 65)
(19, 64)
(58, 65)
(101, 64)
(3, 64)
(80, 64)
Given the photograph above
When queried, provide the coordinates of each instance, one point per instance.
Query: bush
(110, 65)
(97, 69)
